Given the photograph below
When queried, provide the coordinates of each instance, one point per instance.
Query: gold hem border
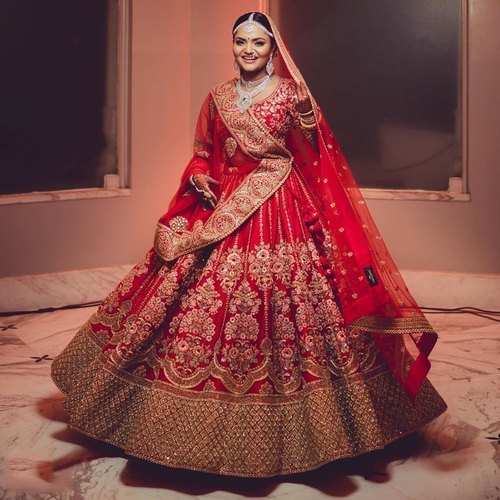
(241, 439)
(250, 476)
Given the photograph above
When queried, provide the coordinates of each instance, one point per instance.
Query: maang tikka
(249, 25)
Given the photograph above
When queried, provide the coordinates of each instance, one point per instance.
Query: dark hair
(257, 16)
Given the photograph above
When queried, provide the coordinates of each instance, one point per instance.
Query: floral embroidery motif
(285, 356)
(113, 299)
(230, 147)
(255, 314)
(230, 269)
(239, 350)
(245, 300)
(260, 266)
(178, 223)
(349, 353)
(192, 334)
(278, 111)
(203, 297)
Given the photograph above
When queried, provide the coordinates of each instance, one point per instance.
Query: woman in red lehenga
(268, 330)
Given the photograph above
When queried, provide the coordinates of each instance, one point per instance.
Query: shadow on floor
(333, 479)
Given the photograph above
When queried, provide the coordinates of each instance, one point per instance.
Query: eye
(259, 44)
(239, 42)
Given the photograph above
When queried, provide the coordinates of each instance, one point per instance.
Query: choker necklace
(245, 100)
(249, 85)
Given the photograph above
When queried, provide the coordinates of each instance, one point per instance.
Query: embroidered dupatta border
(395, 326)
(255, 189)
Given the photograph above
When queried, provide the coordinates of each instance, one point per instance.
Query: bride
(267, 331)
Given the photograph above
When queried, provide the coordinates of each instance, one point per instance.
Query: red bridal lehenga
(267, 336)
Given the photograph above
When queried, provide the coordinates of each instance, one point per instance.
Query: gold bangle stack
(307, 120)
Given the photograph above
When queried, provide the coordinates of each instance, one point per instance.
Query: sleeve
(203, 139)
(201, 161)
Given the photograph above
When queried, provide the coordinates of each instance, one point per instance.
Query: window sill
(90, 193)
(413, 194)
(67, 194)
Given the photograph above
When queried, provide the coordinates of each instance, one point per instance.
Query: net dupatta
(370, 290)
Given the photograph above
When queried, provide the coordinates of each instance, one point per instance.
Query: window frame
(122, 128)
(422, 194)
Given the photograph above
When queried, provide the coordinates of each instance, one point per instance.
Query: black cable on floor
(50, 309)
(476, 311)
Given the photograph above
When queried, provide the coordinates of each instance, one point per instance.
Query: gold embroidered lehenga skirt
(238, 362)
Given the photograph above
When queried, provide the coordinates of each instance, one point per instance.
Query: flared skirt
(235, 359)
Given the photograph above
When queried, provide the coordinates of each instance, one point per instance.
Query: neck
(252, 76)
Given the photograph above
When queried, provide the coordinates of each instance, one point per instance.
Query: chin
(252, 69)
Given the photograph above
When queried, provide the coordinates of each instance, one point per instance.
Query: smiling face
(252, 51)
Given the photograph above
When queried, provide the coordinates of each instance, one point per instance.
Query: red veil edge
(372, 293)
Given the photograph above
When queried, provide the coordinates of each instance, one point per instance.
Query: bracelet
(307, 125)
(309, 120)
(191, 181)
(307, 113)
(203, 192)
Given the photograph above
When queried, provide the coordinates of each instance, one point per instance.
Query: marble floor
(456, 457)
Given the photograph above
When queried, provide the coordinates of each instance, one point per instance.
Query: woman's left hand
(303, 103)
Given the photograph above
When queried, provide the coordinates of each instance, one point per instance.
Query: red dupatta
(370, 291)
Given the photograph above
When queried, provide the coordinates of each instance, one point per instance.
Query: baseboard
(446, 289)
(430, 288)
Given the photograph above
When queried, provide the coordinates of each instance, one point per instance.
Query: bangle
(306, 124)
(307, 113)
(308, 121)
(191, 181)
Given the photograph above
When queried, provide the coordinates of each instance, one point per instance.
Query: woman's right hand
(201, 182)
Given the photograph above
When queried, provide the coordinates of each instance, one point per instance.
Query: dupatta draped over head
(370, 291)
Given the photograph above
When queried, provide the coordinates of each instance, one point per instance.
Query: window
(63, 124)
(388, 75)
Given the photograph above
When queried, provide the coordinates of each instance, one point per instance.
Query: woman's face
(252, 50)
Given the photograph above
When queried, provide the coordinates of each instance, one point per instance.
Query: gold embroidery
(240, 361)
(228, 215)
(236, 435)
(230, 268)
(245, 300)
(254, 190)
(260, 266)
(204, 296)
(113, 299)
(178, 224)
(286, 375)
(397, 326)
(230, 147)
(240, 351)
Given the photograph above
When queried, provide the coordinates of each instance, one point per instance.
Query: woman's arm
(199, 167)
(304, 116)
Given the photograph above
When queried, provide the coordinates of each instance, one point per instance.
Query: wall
(180, 48)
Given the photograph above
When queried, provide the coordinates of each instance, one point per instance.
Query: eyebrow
(253, 39)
